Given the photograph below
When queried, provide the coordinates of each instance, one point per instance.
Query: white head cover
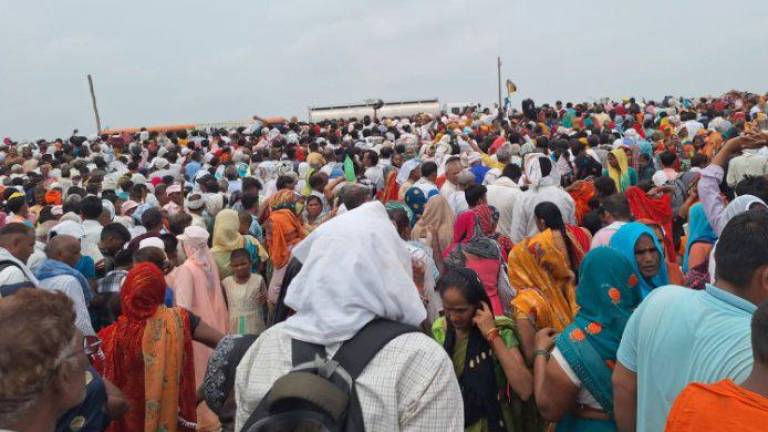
(740, 205)
(358, 270)
(406, 169)
(532, 167)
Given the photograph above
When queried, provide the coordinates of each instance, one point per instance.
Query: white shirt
(458, 202)
(747, 164)
(448, 188)
(71, 287)
(584, 397)
(409, 385)
(523, 219)
(504, 194)
(90, 243)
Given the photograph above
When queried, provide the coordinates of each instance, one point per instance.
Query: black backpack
(318, 394)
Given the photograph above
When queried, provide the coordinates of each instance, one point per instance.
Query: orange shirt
(722, 406)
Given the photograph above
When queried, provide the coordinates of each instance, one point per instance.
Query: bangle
(492, 333)
(543, 353)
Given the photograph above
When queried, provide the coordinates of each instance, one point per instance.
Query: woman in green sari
(485, 351)
(572, 383)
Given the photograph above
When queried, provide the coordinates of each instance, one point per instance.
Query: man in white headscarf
(409, 385)
(543, 181)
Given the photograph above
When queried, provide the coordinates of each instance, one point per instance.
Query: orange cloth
(712, 145)
(541, 273)
(53, 197)
(675, 274)
(287, 230)
(582, 192)
(722, 406)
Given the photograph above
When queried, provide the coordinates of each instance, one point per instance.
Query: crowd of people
(598, 266)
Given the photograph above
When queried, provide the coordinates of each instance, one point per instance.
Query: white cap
(69, 228)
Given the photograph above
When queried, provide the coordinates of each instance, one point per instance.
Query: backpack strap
(355, 354)
(303, 352)
(10, 289)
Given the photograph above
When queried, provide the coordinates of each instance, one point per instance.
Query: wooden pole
(96, 109)
(498, 66)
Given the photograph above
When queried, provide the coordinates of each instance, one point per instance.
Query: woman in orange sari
(546, 288)
(284, 230)
(148, 355)
(582, 192)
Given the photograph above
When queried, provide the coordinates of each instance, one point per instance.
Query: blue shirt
(191, 169)
(678, 335)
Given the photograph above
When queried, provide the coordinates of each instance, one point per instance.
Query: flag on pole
(511, 87)
(349, 170)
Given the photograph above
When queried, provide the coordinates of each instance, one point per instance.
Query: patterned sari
(148, 356)
(542, 275)
(607, 295)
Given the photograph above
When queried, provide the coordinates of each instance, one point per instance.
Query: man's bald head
(64, 248)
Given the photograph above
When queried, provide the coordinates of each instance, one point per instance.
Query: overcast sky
(161, 62)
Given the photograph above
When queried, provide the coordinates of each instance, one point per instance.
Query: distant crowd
(596, 266)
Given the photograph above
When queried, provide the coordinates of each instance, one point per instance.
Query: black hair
(152, 218)
(753, 185)
(239, 253)
(618, 206)
(116, 230)
(742, 248)
(249, 200)
(512, 171)
(71, 204)
(760, 334)
(553, 219)
(428, 168)
(546, 165)
(592, 222)
(667, 158)
(317, 180)
(77, 190)
(13, 205)
(400, 218)
(178, 222)
(373, 156)
(91, 207)
(699, 160)
(605, 186)
(283, 181)
(474, 194)
(170, 242)
(123, 258)
(250, 182)
(467, 282)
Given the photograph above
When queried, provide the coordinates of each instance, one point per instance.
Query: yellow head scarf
(540, 272)
(620, 176)
(226, 236)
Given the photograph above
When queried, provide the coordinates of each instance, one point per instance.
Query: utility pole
(498, 69)
(96, 110)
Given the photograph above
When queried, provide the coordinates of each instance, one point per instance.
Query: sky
(172, 61)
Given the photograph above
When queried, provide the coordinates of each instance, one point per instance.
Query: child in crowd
(245, 294)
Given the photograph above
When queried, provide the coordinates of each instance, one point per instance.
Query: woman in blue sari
(701, 241)
(640, 245)
(572, 384)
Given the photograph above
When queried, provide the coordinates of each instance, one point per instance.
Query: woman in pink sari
(477, 246)
(197, 289)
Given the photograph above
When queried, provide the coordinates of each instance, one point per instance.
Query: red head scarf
(149, 330)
